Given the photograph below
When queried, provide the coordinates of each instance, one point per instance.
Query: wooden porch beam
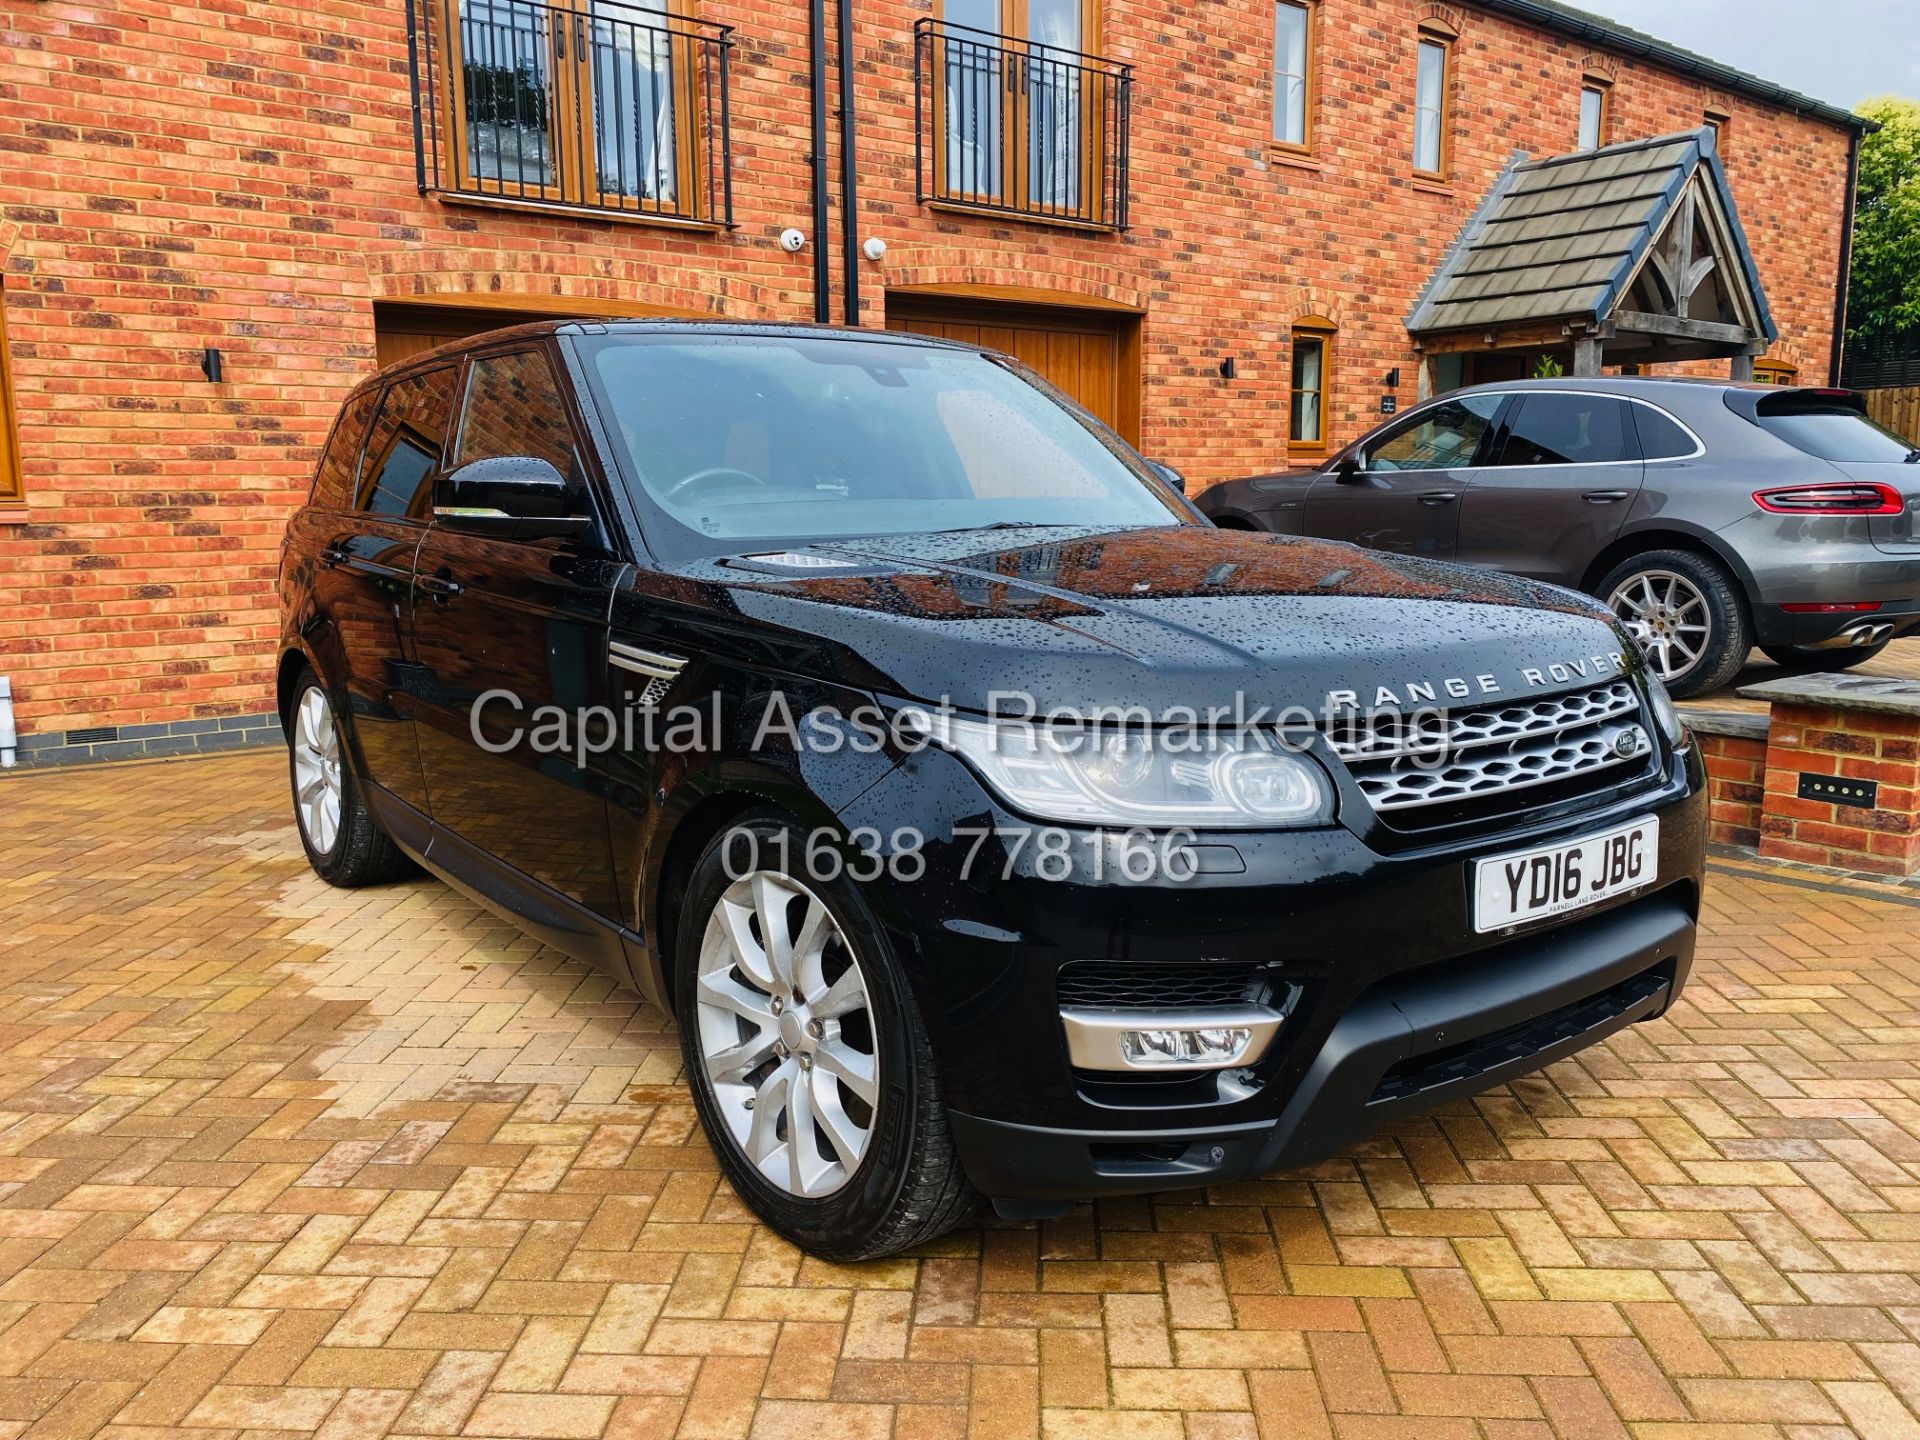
(1712, 331)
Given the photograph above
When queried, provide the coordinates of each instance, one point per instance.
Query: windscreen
(736, 440)
(1830, 429)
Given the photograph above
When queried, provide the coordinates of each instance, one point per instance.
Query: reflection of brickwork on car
(514, 408)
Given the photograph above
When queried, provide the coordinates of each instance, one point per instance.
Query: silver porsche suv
(1711, 516)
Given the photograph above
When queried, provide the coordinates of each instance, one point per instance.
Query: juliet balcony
(594, 106)
(1019, 126)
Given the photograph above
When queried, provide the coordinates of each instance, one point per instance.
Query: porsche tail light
(1846, 497)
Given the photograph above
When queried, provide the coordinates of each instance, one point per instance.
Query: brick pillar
(1734, 746)
(1843, 728)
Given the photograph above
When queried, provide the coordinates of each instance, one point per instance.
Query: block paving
(281, 1160)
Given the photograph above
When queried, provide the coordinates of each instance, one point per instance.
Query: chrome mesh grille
(1442, 758)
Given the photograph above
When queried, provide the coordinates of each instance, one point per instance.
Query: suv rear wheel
(805, 1054)
(343, 843)
(1687, 616)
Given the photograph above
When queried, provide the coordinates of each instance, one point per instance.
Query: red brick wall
(240, 174)
(1736, 784)
(1854, 745)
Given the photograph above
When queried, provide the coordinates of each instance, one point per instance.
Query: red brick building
(1160, 203)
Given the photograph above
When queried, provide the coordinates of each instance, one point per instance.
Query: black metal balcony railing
(1018, 127)
(593, 104)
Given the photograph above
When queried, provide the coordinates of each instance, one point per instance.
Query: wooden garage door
(403, 331)
(1088, 354)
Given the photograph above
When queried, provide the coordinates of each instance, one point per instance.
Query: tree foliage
(1884, 294)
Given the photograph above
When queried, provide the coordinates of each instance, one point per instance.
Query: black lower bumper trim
(1406, 1045)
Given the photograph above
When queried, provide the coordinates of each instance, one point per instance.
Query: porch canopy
(1628, 255)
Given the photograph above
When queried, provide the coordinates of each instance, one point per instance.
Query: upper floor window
(1430, 104)
(610, 106)
(1593, 115)
(1020, 116)
(1292, 73)
(1716, 121)
(1307, 408)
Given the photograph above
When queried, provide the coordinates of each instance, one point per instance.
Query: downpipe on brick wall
(8, 739)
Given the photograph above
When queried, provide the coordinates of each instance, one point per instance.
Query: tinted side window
(1660, 437)
(1567, 429)
(340, 461)
(1444, 437)
(514, 407)
(404, 446)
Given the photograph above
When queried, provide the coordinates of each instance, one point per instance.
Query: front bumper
(1396, 1003)
(1403, 1047)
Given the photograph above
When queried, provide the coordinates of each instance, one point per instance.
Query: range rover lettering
(991, 825)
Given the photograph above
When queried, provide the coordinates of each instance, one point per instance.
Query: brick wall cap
(1741, 724)
(1877, 694)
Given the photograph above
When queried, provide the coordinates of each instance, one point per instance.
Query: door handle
(441, 585)
(1605, 497)
(1439, 497)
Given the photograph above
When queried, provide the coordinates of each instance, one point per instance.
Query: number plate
(1555, 879)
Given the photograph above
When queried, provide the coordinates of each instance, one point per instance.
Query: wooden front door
(1090, 354)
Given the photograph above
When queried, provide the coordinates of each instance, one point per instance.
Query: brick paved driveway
(284, 1160)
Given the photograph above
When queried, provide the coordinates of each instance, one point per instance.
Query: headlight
(1239, 780)
(1665, 714)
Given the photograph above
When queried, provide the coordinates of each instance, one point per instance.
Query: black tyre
(805, 1053)
(1821, 662)
(1687, 614)
(343, 844)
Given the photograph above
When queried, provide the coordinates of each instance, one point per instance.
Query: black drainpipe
(1846, 260)
(849, 195)
(817, 158)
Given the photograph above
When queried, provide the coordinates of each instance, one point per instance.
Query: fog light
(1212, 1046)
(1191, 1038)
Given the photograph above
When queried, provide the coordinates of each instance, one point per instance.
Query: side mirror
(1347, 467)
(510, 497)
(1167, 473)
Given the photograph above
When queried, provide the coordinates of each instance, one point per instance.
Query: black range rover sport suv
(990, 823)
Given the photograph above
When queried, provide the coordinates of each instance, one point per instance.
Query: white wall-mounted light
(793, 241)
(874, 249)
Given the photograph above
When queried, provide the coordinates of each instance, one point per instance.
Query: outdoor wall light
(210, 365)
(1227, 369)
(1393, 378)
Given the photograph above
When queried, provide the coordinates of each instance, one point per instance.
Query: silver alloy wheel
(782, 1018)
(316, 770)
(1668, 615)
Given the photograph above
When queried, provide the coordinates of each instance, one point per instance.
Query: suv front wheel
(805, 1054)
(1687, 615)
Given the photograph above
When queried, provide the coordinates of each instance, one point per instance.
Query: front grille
(1096, 985)
(1440, 766)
